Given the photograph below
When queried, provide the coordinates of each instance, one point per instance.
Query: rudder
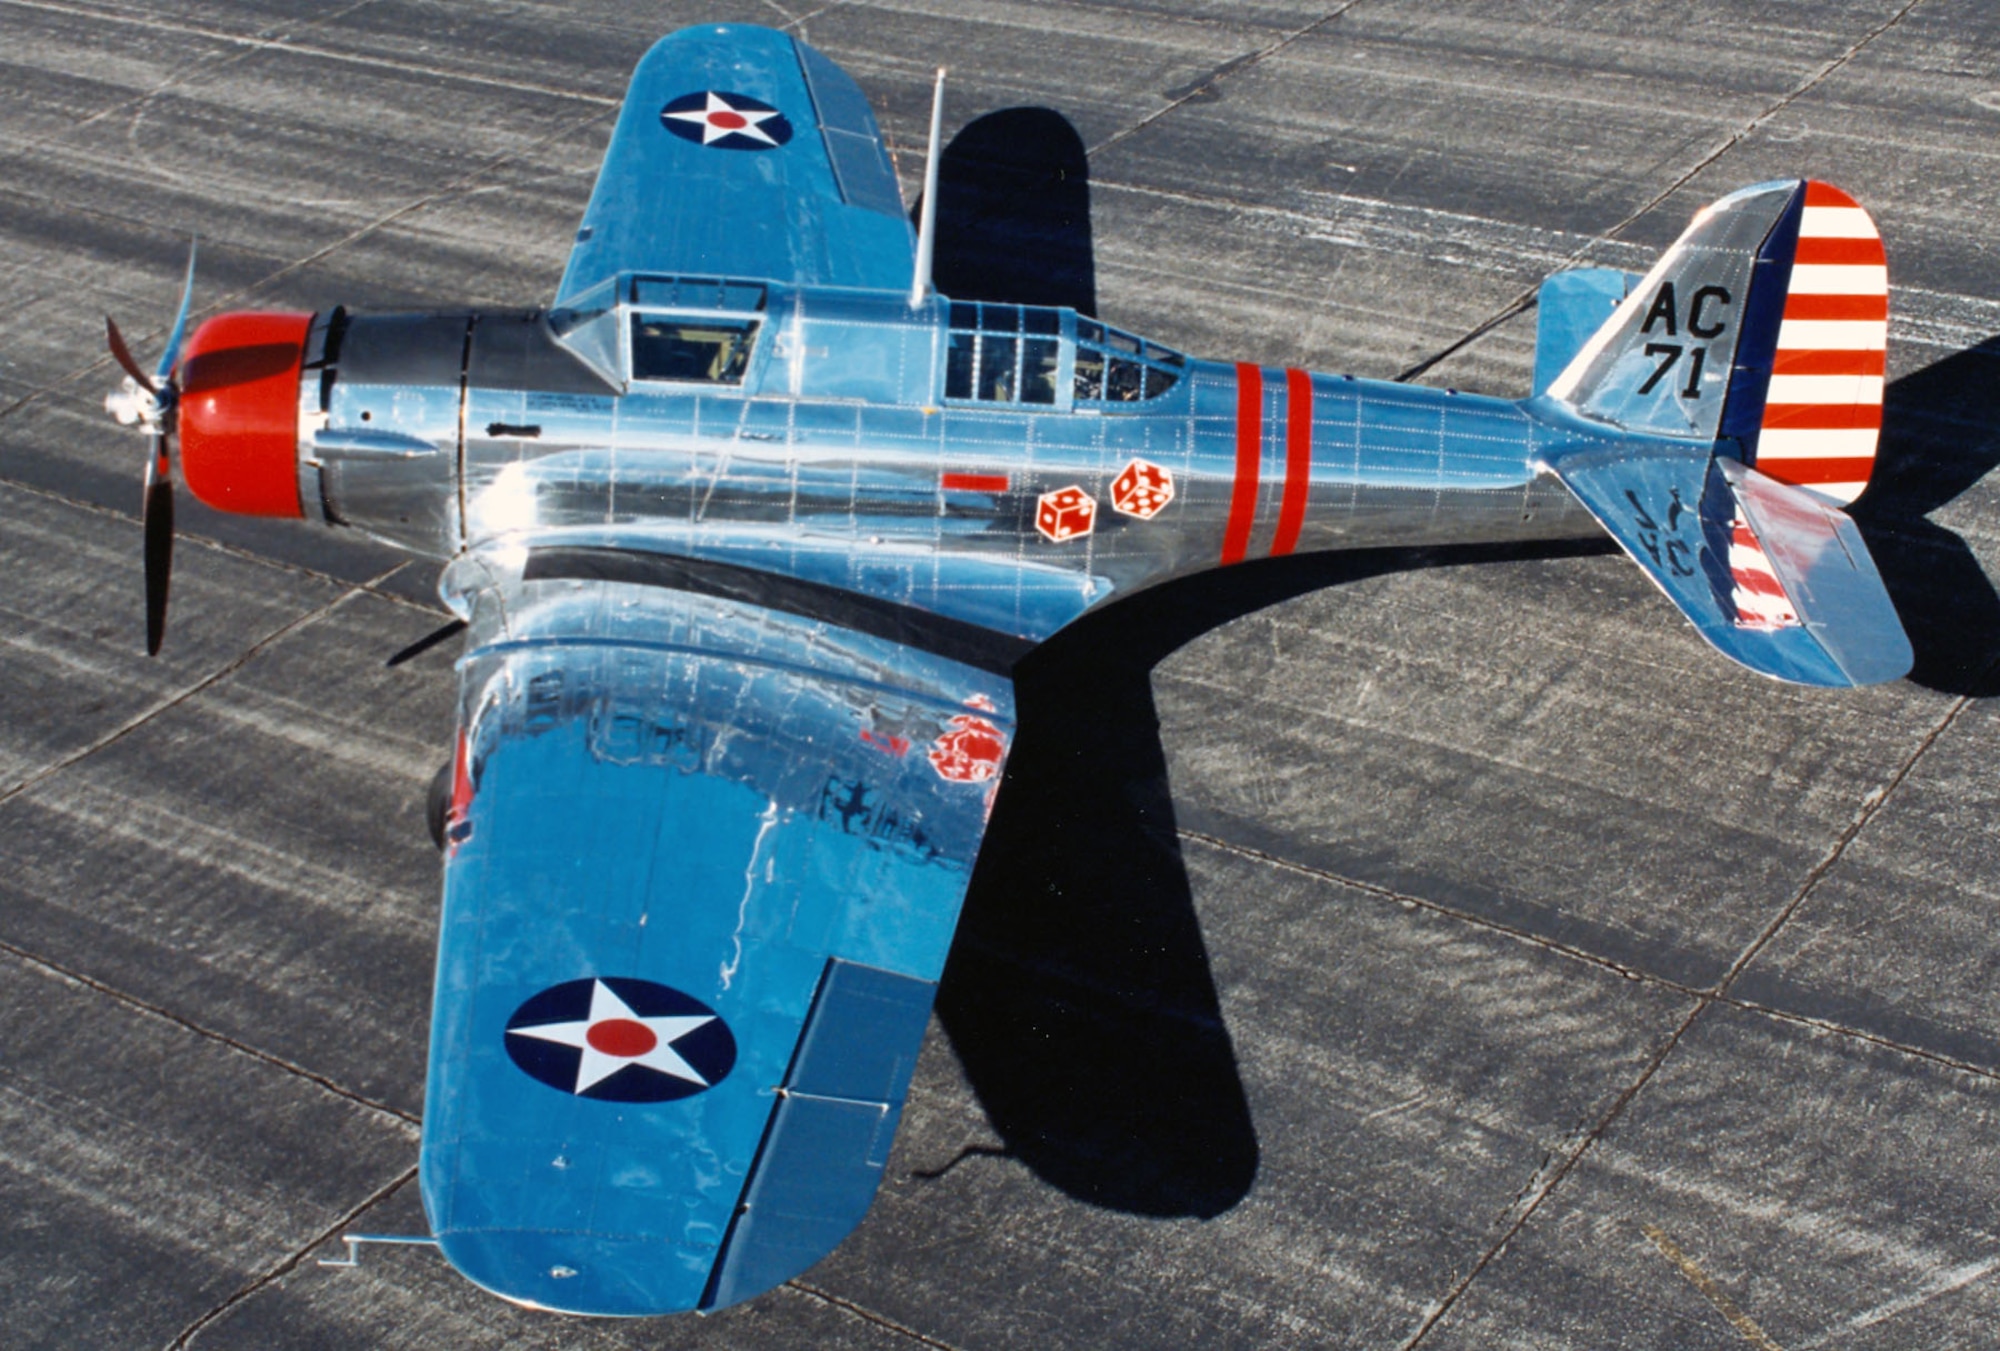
(1819, 413)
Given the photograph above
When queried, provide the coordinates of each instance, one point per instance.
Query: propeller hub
(239, 412)
(135, 406)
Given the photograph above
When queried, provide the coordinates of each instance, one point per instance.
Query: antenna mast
(920, 280)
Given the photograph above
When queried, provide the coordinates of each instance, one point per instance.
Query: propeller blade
(157, 516)
(122, 354)
(165, 370)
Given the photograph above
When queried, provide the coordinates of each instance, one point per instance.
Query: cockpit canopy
(705, 331)
(685, 347)
(1016, 354)
(1114, 367)
(694, 328)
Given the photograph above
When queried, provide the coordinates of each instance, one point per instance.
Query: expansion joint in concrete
(371, 586)
(463, 183)
(179, 697)
(1535, 1195)
(866, 1315)
(149, 1009)
(1870, 807)
(1195, 90)
(290, 1262)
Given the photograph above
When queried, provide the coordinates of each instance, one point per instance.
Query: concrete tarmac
(1437, 950)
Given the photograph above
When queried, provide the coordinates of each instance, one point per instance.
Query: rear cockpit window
(1114, 367)
(703, 350)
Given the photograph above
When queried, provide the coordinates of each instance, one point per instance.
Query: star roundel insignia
(621, 1040)
(726, 121)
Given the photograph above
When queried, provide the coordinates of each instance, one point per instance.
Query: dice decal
(1065, 513)
(968, 751)
(1143, 489)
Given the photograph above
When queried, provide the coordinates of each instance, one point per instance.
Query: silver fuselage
(839, 457)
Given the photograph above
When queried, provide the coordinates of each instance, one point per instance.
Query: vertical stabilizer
(1663, 363)
(1761, 332)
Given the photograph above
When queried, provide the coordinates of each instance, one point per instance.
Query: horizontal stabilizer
(1774, 576)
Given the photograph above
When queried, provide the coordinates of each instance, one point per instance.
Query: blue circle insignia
(621, 1040)
(710, 117)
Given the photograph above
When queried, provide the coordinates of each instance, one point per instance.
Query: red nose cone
(239, 412)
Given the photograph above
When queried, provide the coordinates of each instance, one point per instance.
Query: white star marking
(740, 121)
(596, 1065)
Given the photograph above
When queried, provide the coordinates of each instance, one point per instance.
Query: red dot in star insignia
(621, 1037)
(723, 120)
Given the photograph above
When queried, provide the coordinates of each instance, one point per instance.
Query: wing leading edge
(741, 151)
(695, 909)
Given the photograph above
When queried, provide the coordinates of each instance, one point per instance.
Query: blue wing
(706, 861)
(741, 151)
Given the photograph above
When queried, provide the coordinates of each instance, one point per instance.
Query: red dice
(1142, 490)
(1066, 513)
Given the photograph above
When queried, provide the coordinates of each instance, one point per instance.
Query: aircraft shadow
(1940, 435)
(1079, 995)
(1014, 213)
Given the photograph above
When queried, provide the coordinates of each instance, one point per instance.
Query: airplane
(746, 531)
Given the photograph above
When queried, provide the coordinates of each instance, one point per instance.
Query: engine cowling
(239, 412)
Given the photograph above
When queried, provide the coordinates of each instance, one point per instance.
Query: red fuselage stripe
(974, 483)
(1298, 461)
(1249, 450)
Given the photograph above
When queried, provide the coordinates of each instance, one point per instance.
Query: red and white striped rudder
(1823, 410)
